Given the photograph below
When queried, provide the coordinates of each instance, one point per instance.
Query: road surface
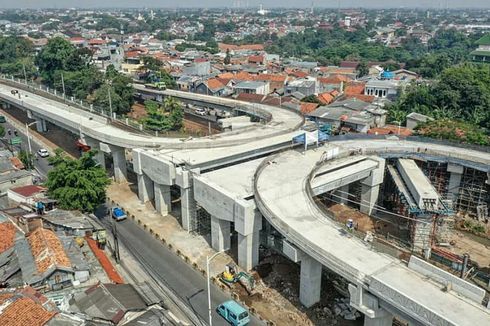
(171, 270)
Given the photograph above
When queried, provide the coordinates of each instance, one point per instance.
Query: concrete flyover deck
(285, 200)
(280, 121)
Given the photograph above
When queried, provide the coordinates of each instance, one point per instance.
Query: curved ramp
(281, 121)
(286, 203)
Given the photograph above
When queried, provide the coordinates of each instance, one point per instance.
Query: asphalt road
(188, 284)
(41, 164)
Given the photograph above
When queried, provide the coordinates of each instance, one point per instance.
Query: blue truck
(235, 314)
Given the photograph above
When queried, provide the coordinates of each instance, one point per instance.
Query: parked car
(233, 313)
(43, 152)
(201, 111)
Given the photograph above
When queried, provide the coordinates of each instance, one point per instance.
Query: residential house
(332, 82)
(252, 87)
(108, 303)
(352, 114)
(12, 175)
(212, 86)
(26, 194)
(482, 54)
(384, 88)
(304, 86)
(197, 68)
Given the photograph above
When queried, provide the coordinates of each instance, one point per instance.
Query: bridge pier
(220, 234)
(456, 174)
(120, 167)
(248, 225)
(41, 125)
(370, 188)
(187, 201)
(163, 199)
(368, 304)
(145, 188)
(310, 283)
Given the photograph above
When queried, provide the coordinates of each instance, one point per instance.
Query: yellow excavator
(230, 276)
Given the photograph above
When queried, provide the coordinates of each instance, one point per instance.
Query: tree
(2, 131)
(27, 159)
(78, 184)
(54, 56)
(311, 99)
(16, 57)
(362, 69)
(166, 117)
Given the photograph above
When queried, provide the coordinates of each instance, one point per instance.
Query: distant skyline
(244, 3)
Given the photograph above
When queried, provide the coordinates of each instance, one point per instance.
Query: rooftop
(28, 191)
(7, 235)
(20, 310)
(47, 250)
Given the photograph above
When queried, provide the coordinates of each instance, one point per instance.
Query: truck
(156, 85)
(233, 313)
(118, 214)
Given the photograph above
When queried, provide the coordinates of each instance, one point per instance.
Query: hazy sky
(229, 3)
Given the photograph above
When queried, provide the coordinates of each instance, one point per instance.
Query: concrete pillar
(41, 125)
(100, 158)
(145, 188)
(342, 195)
(383, 319)
(163, 199)
(248, 250)
(310, 281)
(120, 167)
(188, 208)
(456, 173)
(220, 234)
(369, 197)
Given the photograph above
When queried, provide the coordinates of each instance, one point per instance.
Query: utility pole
(110, 99)
(25, 74)
(63, 85)
(117, 257)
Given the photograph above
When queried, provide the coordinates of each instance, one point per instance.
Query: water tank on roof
(387, 74)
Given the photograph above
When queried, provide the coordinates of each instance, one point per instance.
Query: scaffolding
(437, 174)
(474, 194)
(202, 223)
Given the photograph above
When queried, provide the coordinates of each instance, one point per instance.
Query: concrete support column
(220, 234)
(310, 281)
(163, 199)
(188, 208)
(145, 188)
(100, 158)
(120, 167)
(248, 250)
(41, 125)
(369, 197)
(382, 319)
(456, 173)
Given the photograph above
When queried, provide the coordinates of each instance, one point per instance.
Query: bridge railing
(53, 94)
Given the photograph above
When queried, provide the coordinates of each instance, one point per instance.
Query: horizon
(244, 4)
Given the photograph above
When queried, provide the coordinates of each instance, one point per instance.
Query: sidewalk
(266, 303)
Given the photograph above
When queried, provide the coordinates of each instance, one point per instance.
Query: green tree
(311, 99)
(27, 159)
(362, 69)
(54, 56)
(78, 184)
(168, 116)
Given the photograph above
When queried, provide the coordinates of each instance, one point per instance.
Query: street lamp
(208, 260)
(29, 142)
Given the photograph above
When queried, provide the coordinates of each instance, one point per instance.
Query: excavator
(230, 276)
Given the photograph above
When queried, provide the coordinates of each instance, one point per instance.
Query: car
(43, 152)
(235, 314)
(201, 111)
(2, 119)
(118, 214)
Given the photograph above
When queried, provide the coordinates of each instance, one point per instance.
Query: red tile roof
(17, 163)
(306, 107)
(355, 88)
(325, 98)
(28, 191)
(334, 79)
(256, 58)
(233, 47)
(22, 311)
(104, 261)
(7, 235)
(214, 84)
(47, 250)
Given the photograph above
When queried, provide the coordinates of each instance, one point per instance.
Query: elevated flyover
(277, 121)
(380, 286)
